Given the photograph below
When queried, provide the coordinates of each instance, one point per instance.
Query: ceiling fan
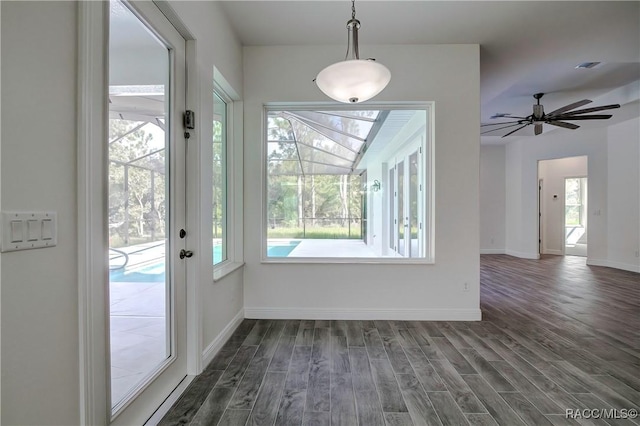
(558, 117)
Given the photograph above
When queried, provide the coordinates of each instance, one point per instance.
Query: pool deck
(332, 248)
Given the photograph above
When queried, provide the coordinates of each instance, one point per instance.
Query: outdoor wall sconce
(376, 185)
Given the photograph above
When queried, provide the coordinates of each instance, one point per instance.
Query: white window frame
(427, 179)
(234, 179)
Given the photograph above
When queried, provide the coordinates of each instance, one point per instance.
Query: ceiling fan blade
(594, 109)
(497, 124)
(563, 124)
(538, 129)
(512, 132)
(570, 107)
(500, 128)
(581, 117)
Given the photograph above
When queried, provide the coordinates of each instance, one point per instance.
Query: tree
(299, 196)
(137, 184)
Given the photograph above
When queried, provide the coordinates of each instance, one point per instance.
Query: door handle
(185, 253)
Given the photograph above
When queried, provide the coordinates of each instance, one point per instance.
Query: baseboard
(616, 265)
(365, 314)
(522, 255)
(492, 251)
(159, 414)
(554, 252)
(214, 347)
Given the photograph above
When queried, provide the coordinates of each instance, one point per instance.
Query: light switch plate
(28, 230)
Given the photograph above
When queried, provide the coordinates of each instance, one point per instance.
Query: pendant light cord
(352, 35)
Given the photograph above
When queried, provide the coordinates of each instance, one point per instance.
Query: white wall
(40, 376)
(39, 287)
(447, 75)
(522, 195)
(553, 173)
(492, 199)
(613, 214)
(623, 189)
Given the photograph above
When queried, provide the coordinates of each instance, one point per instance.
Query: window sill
(349, 260)
(225, 269)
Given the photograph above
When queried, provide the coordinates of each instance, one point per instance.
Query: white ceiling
(526, 46)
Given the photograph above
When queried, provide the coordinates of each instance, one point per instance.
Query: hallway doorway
(562, 204)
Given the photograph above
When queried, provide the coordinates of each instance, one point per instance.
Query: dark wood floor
(555, 335)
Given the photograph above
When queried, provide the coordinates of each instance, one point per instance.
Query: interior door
(146, 210)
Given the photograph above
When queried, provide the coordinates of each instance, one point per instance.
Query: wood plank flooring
(556, 334)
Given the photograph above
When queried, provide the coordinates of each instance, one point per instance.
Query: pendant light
(353, 80)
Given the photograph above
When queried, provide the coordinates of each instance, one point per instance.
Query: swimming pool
(281, 248)
(155, 272)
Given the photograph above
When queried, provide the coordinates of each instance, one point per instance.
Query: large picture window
(347, 184)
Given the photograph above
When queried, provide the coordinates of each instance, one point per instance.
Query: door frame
(92, 232)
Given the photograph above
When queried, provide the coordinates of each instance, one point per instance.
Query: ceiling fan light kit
(558, 117)
(353, 80)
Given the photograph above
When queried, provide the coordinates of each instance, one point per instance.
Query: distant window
(575, 201)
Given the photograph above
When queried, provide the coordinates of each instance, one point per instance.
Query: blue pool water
(281, 249)
(155, 272)
(147, 274)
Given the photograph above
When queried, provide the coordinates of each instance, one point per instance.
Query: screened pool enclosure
(333, 175)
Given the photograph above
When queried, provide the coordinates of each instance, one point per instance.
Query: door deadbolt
(185, 253)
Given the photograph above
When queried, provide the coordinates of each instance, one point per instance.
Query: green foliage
(295, 201)
(137, 185)
(317, 232)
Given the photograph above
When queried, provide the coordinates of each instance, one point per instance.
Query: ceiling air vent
(587, 65)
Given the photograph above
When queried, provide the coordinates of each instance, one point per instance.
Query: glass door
(413, 205)
(405, 206)
(146, 176)
(403, 222)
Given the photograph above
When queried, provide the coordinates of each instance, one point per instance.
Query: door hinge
(189, 119)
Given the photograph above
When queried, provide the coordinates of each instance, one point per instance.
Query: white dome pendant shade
(353, 80)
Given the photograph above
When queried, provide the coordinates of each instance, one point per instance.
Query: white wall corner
(216, 344)
(365, 314)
